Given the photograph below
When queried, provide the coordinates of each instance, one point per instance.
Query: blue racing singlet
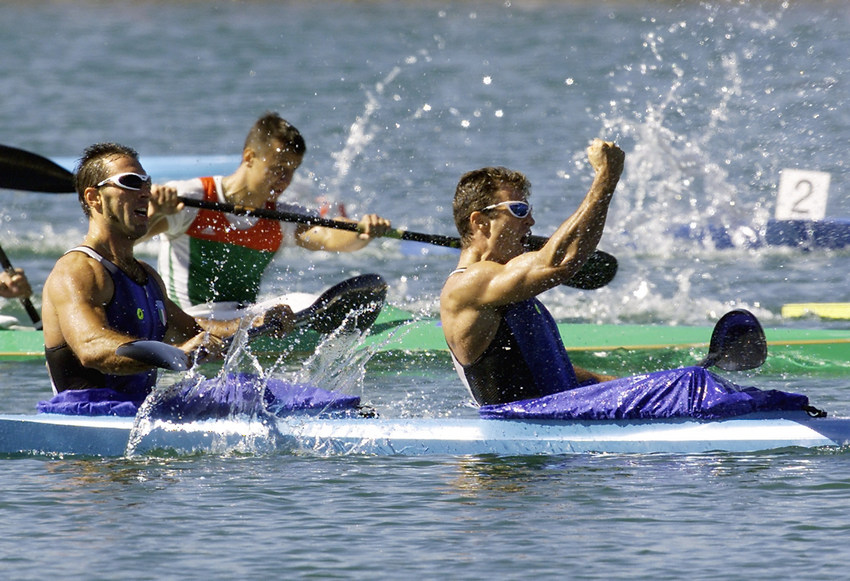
(135, 309)
(525, 360)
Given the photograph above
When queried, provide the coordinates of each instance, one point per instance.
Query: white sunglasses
(518, 209)
(127, 181)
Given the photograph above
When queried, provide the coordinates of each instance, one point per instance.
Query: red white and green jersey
(208, 256)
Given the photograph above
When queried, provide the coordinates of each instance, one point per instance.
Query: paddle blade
(352, 304)
(156, 354)
(598, 271)
(737, 342)
(23, 170)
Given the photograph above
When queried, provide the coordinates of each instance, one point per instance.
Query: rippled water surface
(710, 100)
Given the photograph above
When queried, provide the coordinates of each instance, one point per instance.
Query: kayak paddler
(504, 342)
(99, 296)
(208, 256)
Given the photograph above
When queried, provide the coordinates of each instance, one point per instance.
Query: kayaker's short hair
(91, 167)
(270, 128)
(478, 189)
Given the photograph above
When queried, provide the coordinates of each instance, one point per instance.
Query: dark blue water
(396, 100)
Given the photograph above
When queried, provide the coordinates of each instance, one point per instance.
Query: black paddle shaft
(24, 170)
(28, 306)
(597, 272)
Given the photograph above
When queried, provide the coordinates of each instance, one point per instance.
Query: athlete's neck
(121, 257)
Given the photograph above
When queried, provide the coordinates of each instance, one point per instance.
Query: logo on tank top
(140, 314)
(160, 308)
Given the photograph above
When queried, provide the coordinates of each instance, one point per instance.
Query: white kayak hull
(109, 436)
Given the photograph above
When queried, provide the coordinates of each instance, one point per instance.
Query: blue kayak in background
(831, 233)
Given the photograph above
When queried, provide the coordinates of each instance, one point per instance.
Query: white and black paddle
(24, 170)
(354, 303)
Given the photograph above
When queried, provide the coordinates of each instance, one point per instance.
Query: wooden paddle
(24, 170)
(737, 342)
(28, 306)
(352, 303)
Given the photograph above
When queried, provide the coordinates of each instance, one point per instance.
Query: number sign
(802, 195)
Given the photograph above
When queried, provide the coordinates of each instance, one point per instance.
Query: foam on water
(239, 417)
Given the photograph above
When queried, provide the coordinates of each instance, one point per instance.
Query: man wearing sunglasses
(98, 296)
(209, 258)
(505, 344)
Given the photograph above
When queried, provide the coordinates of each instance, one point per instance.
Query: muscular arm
(470, 301)
(568, 248)
(74, 312)
(190, 333)
(320, 238)
(489, 284)
(577, 237)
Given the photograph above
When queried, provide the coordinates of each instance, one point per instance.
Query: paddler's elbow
(106, 361)
(105, 364)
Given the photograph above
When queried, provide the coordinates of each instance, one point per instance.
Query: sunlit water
(396, 100)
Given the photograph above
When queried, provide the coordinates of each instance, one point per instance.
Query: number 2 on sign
(805, 188)
(802, 195)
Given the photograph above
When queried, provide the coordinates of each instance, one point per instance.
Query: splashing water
(670, 177)
(360, 134)
(236, 420)
(694, 109)
(684, 162)
(236, 408)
